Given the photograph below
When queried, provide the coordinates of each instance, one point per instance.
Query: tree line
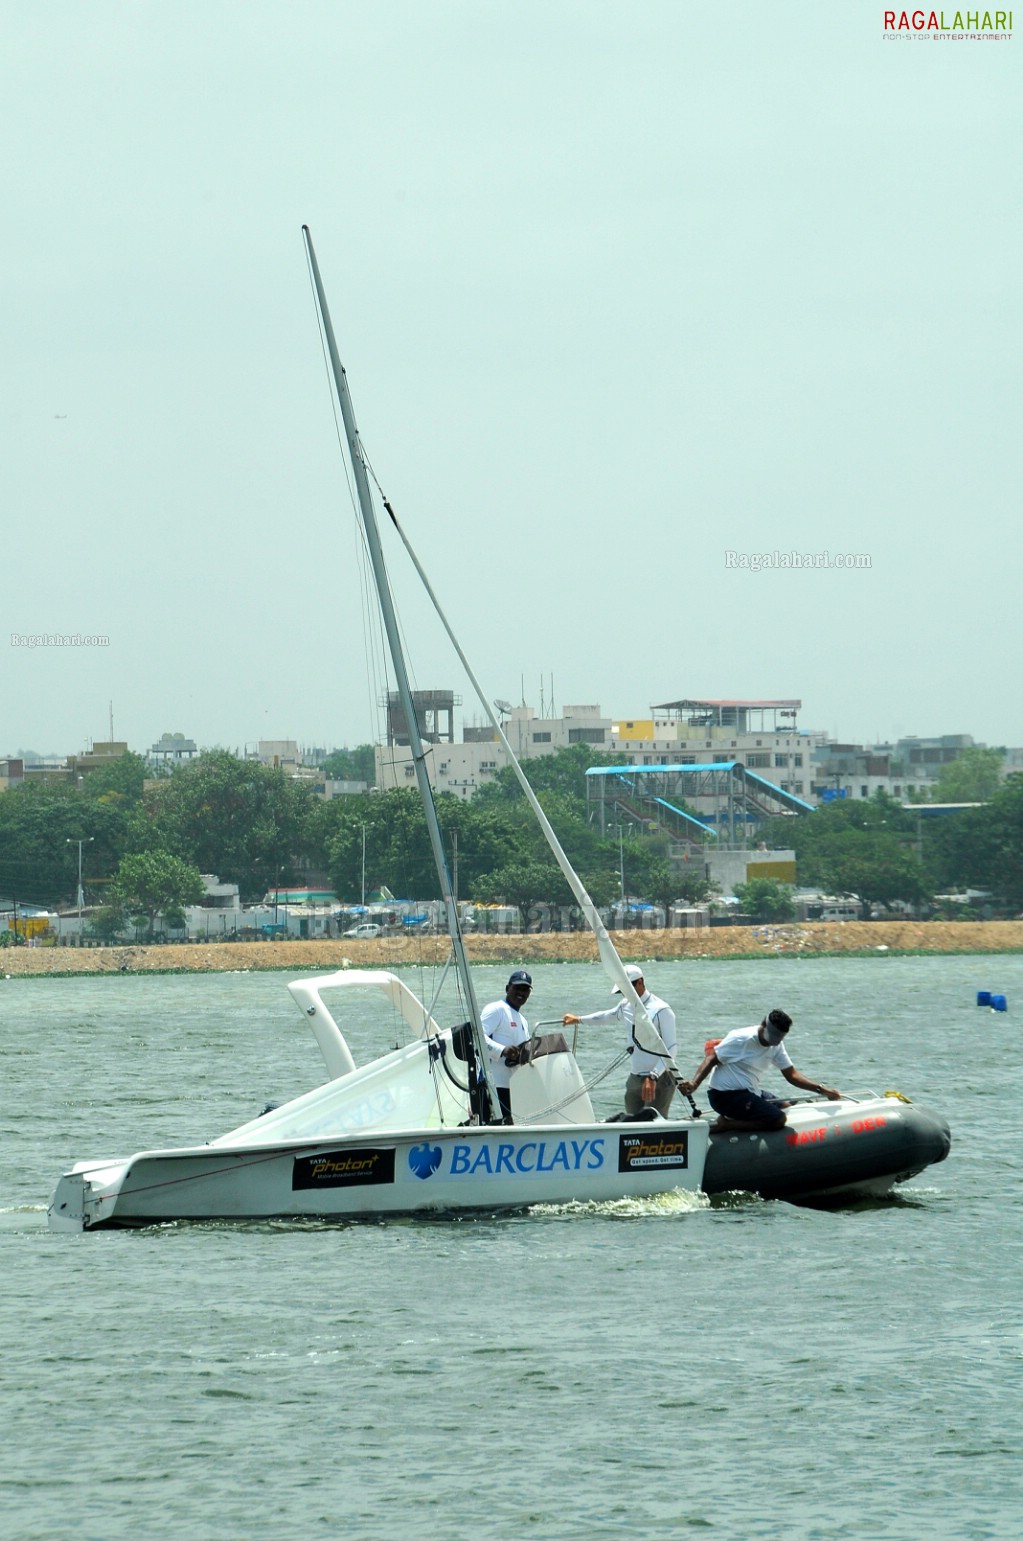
(260, 828)
(884, 852)
(257, 827)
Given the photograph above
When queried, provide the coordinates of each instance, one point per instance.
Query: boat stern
(85, 1197)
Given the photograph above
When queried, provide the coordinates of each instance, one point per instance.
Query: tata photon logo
(343, 1169)
(949, 26)
(656, 1149)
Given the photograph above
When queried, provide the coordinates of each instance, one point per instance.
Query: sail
(387, 612)
(646, 1034)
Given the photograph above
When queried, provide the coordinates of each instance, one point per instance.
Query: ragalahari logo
(986, 26)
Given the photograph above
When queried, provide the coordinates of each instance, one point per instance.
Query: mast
(651, 1039)
(376, 557)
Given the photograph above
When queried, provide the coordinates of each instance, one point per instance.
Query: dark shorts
(748, 1107)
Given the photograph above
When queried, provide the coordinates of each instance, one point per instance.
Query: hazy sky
(621, 286)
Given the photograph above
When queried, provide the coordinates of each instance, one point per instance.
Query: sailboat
(419, 1130)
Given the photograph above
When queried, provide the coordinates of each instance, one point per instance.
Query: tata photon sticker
(343, 1169)
(661, 1150)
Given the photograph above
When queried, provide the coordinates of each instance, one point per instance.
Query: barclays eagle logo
(424, 1159)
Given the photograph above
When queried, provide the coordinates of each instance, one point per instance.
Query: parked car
(365, 928)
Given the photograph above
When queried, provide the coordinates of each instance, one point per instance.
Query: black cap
(520, 977)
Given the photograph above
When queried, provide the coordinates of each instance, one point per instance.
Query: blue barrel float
(996, 1002)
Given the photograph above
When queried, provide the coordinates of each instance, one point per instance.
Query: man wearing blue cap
(506, 1030)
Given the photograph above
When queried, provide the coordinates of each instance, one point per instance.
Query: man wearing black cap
(735, 1066)
(506, 1029)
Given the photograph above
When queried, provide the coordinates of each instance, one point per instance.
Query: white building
(280, 753)
(907, 770)
(762, 735)
(172, 749)
(462, 768)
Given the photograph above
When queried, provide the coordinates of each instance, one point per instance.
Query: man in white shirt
(650, 1082)
(735, 1066)
(506, 1029)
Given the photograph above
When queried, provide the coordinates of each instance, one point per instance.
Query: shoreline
(813, 939)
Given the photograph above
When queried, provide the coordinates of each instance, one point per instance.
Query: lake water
(740, 1369)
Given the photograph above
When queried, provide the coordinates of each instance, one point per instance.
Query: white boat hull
(394, 1138)
(424, 1171)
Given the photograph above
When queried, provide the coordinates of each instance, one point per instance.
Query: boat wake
(667, 1205)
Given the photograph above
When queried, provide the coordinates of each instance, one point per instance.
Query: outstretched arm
(709, 1061)
(796, 1078)
(593, 1018)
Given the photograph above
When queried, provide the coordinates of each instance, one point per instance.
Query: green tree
(877, 865)
(526, 883)
(973, 778)
(692, 888)
(250, 824)
(602, 887)
(865, 847)
(1003, 828)
(811, 832)
(391, 827)
(108, 923)
(480, 838)
(155, 881)
(660, 885)
(40, 826)
(124, 777)
(563, 771)
(357, 764)
(766, 899)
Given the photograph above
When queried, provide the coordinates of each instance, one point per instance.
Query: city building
(172, 749)
(761, 735)
(905, 770)
(280, 753)
(462, 768)
(100, 754)
(12, 773)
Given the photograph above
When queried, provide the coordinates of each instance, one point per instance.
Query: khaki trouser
(662, 1099)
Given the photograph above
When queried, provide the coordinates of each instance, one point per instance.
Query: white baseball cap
(632, 973)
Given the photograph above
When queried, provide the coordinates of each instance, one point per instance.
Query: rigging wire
(372, 621)
(374, 610)
(587, 1086)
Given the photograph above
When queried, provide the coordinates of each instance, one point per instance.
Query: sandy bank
(808, 940)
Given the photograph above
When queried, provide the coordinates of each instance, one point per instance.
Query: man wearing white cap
(736, 1064)
(650, 1082)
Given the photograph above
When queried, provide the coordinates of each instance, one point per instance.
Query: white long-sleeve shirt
(660, 1014)
(502, 1026)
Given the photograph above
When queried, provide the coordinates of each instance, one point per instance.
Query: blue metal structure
(731, 800)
